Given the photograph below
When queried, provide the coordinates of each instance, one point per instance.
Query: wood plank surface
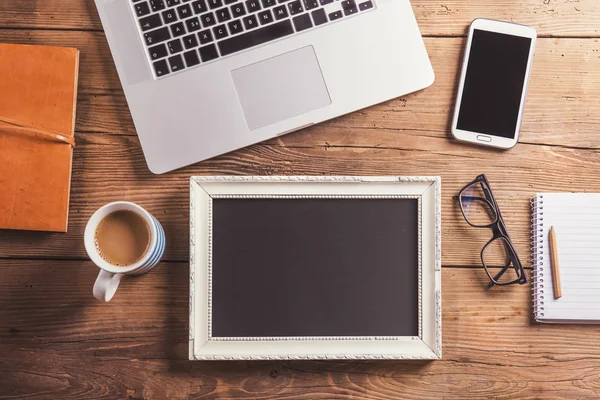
(436, 17)
(110, 167)
(61, 343)
(57, 342)
(404, 136)
(565, 86)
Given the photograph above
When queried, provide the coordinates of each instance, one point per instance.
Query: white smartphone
(493, 83)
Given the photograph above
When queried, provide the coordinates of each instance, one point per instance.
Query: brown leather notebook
(38, 92)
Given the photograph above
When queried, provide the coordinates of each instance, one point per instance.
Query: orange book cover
(38, 94)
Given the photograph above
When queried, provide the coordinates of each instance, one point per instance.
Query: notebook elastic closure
(33, 130)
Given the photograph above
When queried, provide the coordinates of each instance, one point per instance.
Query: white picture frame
(426, 346)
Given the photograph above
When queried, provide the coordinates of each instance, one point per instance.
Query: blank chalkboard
(315, 267)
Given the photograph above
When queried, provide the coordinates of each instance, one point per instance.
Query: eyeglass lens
(496, 258)
(477, 205)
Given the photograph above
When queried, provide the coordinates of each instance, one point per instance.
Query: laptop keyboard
(181, 34)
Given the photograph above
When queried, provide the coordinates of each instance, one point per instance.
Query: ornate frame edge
(436, 353)
(438, 267)
(312, 178)
(193, 187)
(264, 357)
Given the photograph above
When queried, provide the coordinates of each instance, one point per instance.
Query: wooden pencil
(555, 264)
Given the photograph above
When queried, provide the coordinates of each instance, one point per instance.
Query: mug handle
(106, 285)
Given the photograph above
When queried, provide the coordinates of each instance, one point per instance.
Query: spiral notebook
(576, 220)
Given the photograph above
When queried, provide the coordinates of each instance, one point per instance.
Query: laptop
(206, 77)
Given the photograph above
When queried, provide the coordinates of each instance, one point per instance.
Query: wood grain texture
(565, 86)
(436, 17)
(56, 341)
(110, 167)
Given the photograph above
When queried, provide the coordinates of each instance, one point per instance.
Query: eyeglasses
(480, 209)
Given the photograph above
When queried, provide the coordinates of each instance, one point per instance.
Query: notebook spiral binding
(537, 254)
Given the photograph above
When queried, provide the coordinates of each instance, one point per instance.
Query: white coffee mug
(110, 275)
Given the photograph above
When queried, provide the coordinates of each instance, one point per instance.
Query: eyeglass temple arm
(492, 200)
(513, 260)
(494, 203)
(498, 275)
(488, 194)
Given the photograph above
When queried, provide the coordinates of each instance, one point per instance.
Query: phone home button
(484, 138)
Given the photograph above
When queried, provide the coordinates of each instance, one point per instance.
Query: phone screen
(493, 85)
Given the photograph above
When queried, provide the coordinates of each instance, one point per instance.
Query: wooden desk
(57, 342)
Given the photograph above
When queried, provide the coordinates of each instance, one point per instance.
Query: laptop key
(176, 63)
(215, 4)
(142, 9)
(208, 53)
(268, 3)
(250, 22)
(191, 58)
(208, 19)
(199, 6)
(205, 36)
(158, 51)
(324, 2)
(350, 10)
(302, 22)
(238, 10)
(319, 17)
(227, 2)
(160, 68)
(192, 24)
(175, 46)
(172, 3)
(253, 6)
(150, 22)
(365, 6)
(335, 15)
(220, 32)
(235, 26)
(184, 11)
(295, 7)
(223, 15)
(280, 12)
(169, 16)
(310, 4)
(257, 37)
(190, 41)
(265, 17)
(157, 5)
(177, 29)
(349, 7)
(157, 36)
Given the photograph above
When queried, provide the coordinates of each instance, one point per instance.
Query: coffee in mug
(122, 238)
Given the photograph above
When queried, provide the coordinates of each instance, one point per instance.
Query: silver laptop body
(205, 77)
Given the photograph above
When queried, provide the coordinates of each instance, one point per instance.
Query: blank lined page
(576, 220)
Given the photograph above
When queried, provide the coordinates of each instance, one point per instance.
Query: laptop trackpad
(281, 87)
